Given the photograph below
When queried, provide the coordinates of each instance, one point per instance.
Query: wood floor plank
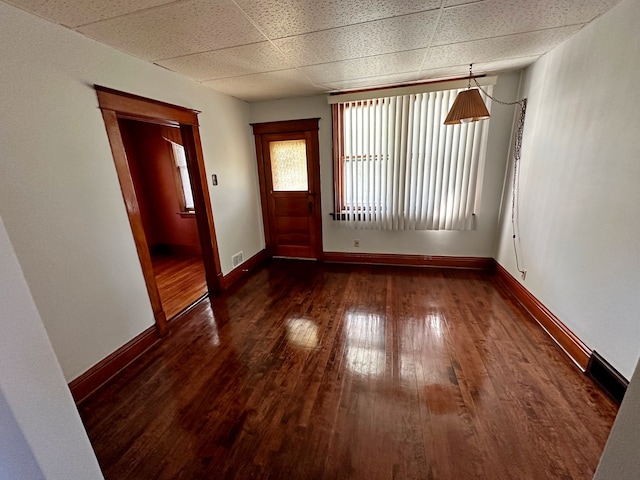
(312, 371)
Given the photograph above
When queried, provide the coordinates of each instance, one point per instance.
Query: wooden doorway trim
(115, 105)
(307, 125)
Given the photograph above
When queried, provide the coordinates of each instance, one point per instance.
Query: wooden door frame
(290, 126)
(115, 105)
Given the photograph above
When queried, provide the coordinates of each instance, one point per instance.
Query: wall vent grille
(237, 259)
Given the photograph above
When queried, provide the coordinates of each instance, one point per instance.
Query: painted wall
(338, 238)
(579, 230)
(16, 458)
(152, 168)
(620, 459)
(59, 193)
(137, 167)
(36, 408)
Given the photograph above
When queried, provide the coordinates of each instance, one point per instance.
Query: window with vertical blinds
(397, 167)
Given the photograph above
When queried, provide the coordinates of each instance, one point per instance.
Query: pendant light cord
(517, 149)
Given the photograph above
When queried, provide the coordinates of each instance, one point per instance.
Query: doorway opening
(176, 130)
(159, 171)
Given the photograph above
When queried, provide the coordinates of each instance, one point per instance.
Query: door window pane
(289, 165)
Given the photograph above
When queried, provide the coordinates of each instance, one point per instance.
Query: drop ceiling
(266, 49)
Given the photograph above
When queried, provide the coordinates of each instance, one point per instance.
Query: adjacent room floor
(312, 371)
(181, 281)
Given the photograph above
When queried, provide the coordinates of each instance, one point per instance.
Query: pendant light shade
(467, 107)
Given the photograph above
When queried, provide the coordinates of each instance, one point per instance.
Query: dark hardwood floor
(181, 281)
(311, 371)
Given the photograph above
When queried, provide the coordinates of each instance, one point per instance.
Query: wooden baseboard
(467, 263)
(607, 377)
(243, 269)
(99, 374)
(558, 331)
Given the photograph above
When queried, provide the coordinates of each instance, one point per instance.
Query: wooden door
(289, 177)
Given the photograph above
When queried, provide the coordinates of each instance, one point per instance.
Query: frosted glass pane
(289, 165)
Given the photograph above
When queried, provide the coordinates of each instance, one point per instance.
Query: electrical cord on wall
(515, 227)
(515, 189)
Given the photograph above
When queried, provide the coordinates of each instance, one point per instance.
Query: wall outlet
(523, 274)
(237, 259)
(214, 179)
(356, 243)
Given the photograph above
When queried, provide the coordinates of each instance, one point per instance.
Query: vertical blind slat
(435, 145)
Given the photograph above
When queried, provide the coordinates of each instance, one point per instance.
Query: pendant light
(468, 106)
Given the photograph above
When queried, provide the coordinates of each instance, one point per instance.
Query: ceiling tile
(335, 44)
(74, 13)
(493, 18)
(283, 18)
(510, 46)
(229, 62)
(495, 67)
(408, 32)
(392, 63)
(451, 3)
(489, 68)
(265, 86)
(180, 28)
(371, 82)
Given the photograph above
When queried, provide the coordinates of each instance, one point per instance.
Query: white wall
(59, 193)
(41, 435)
(620, 459)
(337, 238)
(16, 458)
(579, 196)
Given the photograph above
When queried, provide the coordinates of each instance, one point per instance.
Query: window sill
(187, 214)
